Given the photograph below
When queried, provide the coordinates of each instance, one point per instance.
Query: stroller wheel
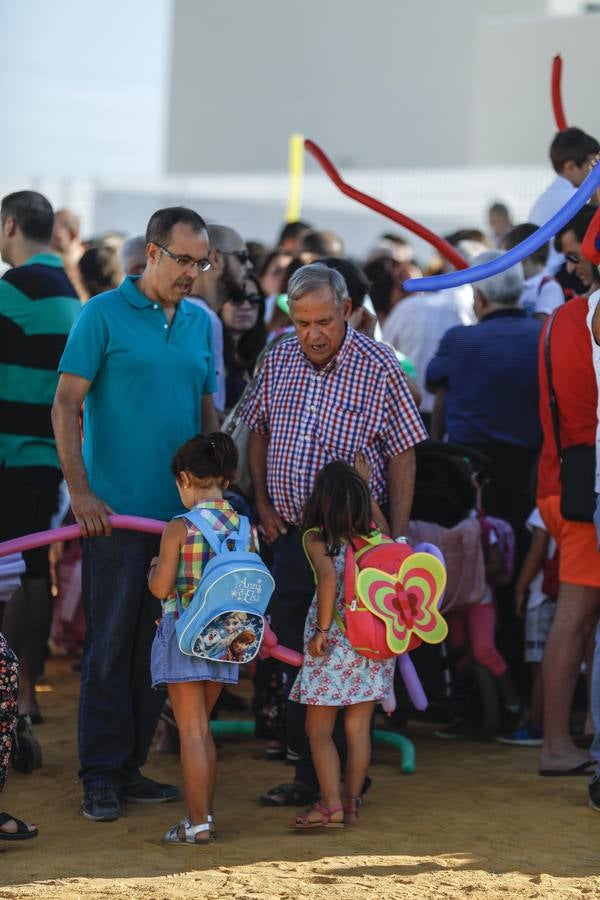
(26, 752)
(481, 709)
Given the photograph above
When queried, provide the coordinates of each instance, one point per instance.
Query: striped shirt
(38, 305)
(359, 402)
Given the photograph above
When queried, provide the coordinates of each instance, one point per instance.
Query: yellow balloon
(296, 172)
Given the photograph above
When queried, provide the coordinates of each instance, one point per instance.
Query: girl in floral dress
(334, 675)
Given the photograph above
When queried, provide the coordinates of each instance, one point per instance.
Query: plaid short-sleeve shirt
(196, 552)
(360, 401)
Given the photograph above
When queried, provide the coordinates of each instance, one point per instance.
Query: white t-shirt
(593, 300)
(368, 305)
(536, 594)
(416, 326)
(541, 298)
(217, 328)
(547, 205)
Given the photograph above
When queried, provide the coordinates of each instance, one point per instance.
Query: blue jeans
(118, 710)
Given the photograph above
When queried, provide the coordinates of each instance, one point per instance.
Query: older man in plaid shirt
(327, 394)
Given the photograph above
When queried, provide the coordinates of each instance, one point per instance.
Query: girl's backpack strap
(242, 538)
(339, 620)
(212, 538)
(367, 542)
(306, 553)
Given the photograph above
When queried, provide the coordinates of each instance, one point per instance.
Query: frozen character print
(239, 646)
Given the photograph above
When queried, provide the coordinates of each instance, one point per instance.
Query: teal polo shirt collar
(44, 259)
(135, 298)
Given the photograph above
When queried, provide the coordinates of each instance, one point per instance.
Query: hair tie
(212, 444)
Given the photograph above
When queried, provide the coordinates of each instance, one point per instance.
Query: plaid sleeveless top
(196, 552)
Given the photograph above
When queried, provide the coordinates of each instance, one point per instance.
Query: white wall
(441, 198)
(379, 83)
(512, 120)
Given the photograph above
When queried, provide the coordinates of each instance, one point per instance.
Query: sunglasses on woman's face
(253, 300)
(242, 255)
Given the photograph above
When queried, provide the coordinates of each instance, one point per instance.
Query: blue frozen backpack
(225, 619)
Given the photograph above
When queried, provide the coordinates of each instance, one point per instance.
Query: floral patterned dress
(342, 677)
(9, 684)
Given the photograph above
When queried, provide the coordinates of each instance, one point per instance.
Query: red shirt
(575, 388)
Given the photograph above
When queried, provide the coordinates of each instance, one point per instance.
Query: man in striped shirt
(326, 394)
(38, 305)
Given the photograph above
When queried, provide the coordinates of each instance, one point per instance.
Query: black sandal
(22, 833)
(295, 794)
(275, 752)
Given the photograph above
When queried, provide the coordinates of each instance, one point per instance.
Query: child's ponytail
(207, 456)
(225, 453)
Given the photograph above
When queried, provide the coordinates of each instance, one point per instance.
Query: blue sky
(83, 87)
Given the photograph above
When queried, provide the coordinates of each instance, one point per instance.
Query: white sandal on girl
(211, 825)
(173, 835)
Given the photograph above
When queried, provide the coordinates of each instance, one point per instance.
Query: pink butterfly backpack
(391, 597)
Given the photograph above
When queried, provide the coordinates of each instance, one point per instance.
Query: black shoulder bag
(577, 464)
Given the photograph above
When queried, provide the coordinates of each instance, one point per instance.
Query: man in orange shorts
(578, 603)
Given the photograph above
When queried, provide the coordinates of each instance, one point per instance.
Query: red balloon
(286, 655)
(446, 249)
(269, 638)
(557, 104)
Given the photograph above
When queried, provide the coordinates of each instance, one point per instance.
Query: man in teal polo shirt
(140, 359)
(38, 305)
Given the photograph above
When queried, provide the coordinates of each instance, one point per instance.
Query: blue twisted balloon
(517, 254)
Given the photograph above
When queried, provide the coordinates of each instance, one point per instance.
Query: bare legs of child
(320, 721)
(192, 704)
(357, 725)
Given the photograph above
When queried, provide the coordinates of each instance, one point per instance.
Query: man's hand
(271, 524)
(91, 514)
(318, 645)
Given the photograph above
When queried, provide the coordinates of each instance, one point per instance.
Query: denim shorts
(169, 665)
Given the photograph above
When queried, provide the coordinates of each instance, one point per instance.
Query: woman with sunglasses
(244, 335)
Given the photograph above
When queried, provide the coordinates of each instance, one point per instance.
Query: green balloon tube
(226, 728)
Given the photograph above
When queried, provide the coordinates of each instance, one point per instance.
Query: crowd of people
(190, 369)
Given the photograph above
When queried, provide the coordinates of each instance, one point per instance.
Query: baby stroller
(446, 488)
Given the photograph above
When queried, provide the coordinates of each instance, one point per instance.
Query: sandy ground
(473, 821)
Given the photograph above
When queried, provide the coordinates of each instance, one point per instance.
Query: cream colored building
(379, 83)
(436, 107)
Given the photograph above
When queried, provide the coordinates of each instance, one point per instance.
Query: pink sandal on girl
(303, 823)
(351, 807)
